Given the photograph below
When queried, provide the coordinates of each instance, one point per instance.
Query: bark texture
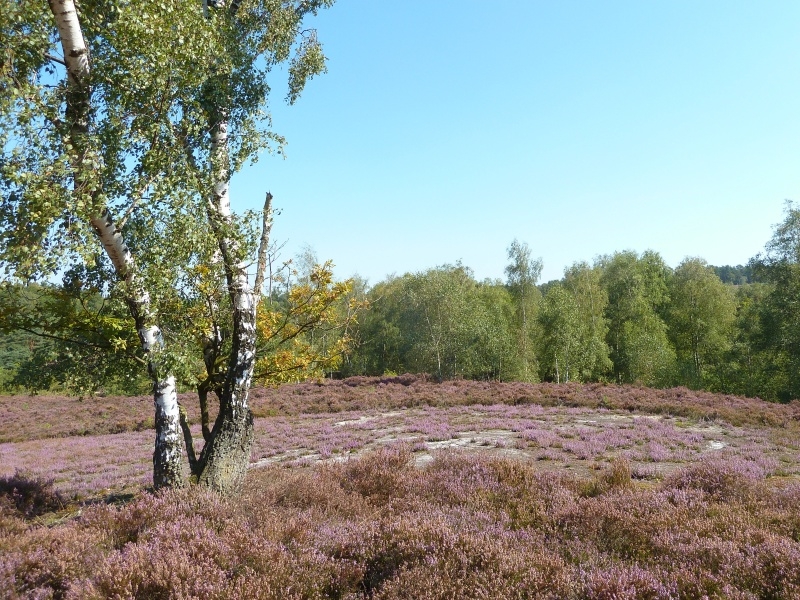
(263, 248)
(167, 470)
(167, 455)
(224, 460)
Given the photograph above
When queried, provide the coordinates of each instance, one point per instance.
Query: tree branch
(187, 438)
(67, 340)
(263, 248)
(56, 59)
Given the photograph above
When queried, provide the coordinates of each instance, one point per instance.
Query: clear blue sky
(445, 129)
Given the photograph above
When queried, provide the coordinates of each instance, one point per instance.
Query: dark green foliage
(441, 322)
(738, 275)
(638, 296)
(701, 319)
(573, 327)
(753, 367)
(628, 318)
(779, 335)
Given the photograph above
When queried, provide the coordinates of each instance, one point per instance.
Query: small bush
(379, 475)
(628, 583)
(720, 479)
(31, 495)
(617, 476)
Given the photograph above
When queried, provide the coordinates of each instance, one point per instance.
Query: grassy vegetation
(402, 488)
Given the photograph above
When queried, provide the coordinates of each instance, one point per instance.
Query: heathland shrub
(616, 476)
(379, 475)
(31, 495)
(467, 526)
(729, 479)
(52, 416)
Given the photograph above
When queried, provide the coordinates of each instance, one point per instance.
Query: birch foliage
(523, 272)
(779, 322)
(702, 314)
(121, 126)
(637, 335)
(155, 67)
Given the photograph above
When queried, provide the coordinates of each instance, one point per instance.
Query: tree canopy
(121, 126)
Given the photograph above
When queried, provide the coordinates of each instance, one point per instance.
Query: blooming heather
(467, 526)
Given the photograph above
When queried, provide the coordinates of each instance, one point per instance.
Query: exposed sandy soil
(577, 429)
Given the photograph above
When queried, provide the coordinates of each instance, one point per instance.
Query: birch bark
(167, 471)
(226, 455)
(224, 460)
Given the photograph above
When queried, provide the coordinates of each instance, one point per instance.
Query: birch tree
(523, 273)
(121, 125)
(637, 335)
(584, 283)
(561, 335)
(702, 315)
(779, 318)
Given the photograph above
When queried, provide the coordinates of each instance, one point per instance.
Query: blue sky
(443, 130)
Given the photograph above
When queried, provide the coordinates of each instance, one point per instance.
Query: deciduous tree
(780, 319)
(120, 128)
(561, 335)
(523, 272)
(701, 317)
(584, 283)
(637, 335)
(307, 329)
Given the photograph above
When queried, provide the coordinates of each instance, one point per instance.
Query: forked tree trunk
(167, 457)
(226, 456)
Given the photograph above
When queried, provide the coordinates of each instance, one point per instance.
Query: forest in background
(624, 318)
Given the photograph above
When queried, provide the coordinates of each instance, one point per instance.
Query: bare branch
(138, 196)
(55, 59)
(187, 439)
(128, 213)
(263, 248)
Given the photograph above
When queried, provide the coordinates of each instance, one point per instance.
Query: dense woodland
(624, 318)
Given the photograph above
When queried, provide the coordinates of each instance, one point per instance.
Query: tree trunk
(225, 457)
(167, 471)
(224, 461)
(167, 456)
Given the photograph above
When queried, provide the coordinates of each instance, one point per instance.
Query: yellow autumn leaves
(305, 332)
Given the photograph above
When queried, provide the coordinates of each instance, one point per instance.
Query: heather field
(405, 488)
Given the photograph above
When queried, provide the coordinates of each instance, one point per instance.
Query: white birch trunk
(167, 470)
(242, 295)
(263, 248)
(224, 461)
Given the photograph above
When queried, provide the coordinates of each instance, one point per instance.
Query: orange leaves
(303, 332)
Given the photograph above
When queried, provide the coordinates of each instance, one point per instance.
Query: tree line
(626, 318)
